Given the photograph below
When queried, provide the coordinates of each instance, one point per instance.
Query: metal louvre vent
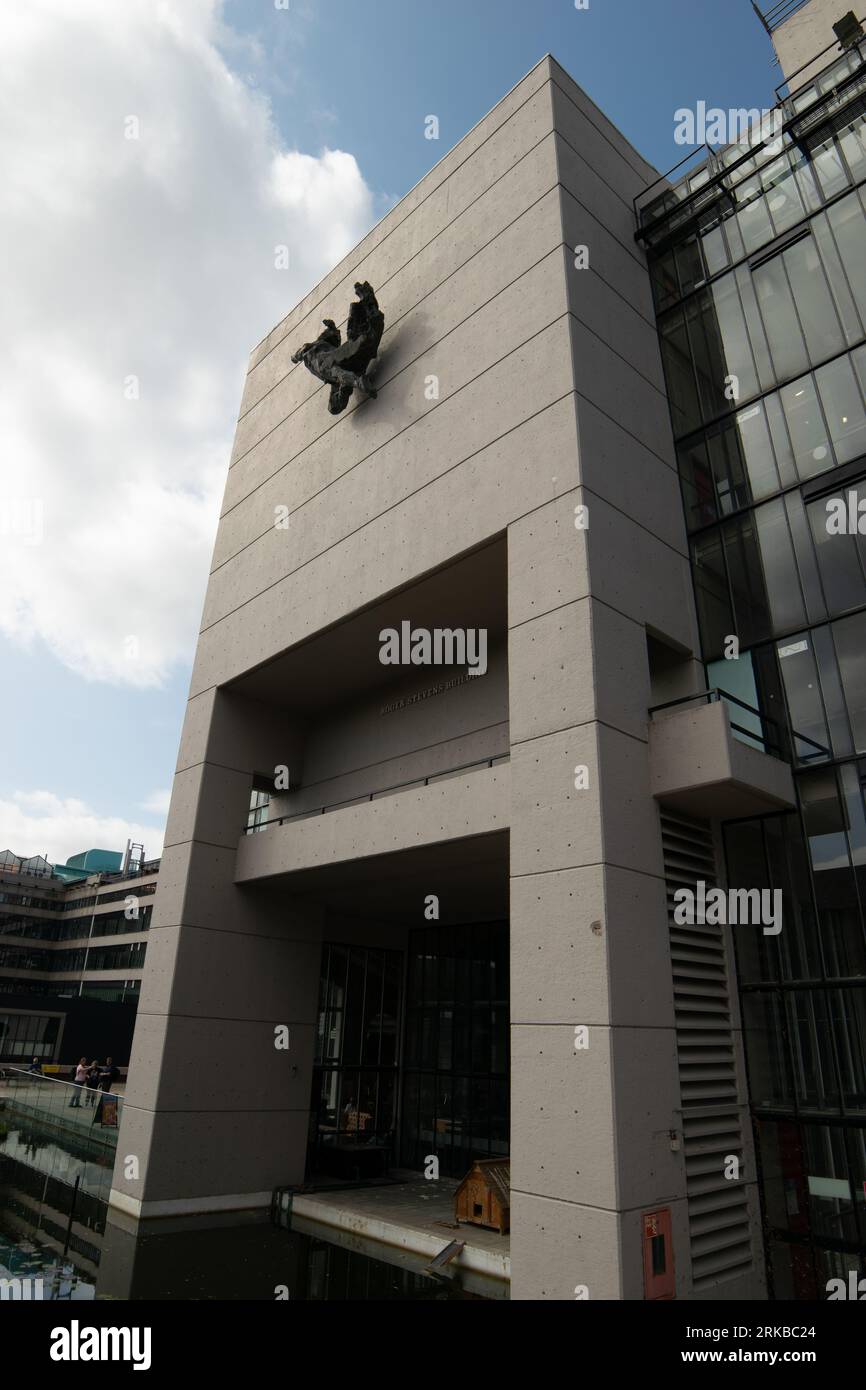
(719, 1234)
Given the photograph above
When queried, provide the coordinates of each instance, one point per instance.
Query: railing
(71, 1111)
(773, 16)
(382, 791)
(769, 737)
(713, 172)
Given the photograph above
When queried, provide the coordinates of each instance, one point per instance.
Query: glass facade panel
(806, 427)
(842, 400)
(757, 474)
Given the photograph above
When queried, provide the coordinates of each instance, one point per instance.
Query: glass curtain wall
(761, 305)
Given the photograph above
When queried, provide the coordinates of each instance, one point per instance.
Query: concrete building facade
(490, 859)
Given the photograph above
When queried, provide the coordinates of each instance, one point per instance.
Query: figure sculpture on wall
(345, 365)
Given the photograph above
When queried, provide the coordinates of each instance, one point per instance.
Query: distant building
(73, 939)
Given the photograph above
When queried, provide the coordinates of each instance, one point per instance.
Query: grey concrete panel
(222, 1064)
(232, 974)
(621, 266)
(647, 1105)
(208, 802)
(587, 115)
(553, 654)
(511, 225)
(620, 671)
(416, 466)
(594, 193)
(562, 1133)
(609, 381)
(547, 562)
(399, 547)
(558, 948)
(606, 314)
(632, 837)
(558, 1247)
(206, 1154)
(475, 803)
(497, 140)
(698, 764)
(211, 900)
(635, 929)
(622, 554)
(553, 825)
(515, 312)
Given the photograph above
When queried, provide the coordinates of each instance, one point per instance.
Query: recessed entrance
(443, 1093)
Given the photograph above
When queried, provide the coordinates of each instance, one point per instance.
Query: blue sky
(91, 743)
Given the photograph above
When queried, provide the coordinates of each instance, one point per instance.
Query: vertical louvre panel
(719, 1234)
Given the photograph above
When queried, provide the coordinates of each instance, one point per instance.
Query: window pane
(800, 677)
(787, 347)
(689, 265)
(664, 279)
(840, 288)
(831, 689)
(710, 362)
(806, 427)
(811, 292)
(783, 196)
(732, 325)
(838, 553)
(755, 436)
(853, 142)
(747, 581)
(769, 1063)
(815, 1083)
(781, 440)
(849, 637)
(848, 222)
(754, 220)
(698, 489)
(828, 167)
(780, 570)
(715, 251)
(843, 409)
(757, 337)
(804, 550)
(732, 490)
(711, 588)
(682, 392)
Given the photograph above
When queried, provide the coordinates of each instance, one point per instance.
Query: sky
(155, 156)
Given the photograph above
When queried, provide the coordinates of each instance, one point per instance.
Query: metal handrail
(381, 791)
(785, 736)
(694, 201)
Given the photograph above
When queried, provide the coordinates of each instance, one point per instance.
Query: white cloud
(157, 802)
(150, 258)
(39, 822)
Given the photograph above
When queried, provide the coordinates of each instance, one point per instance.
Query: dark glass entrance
(455, 1083)
(355, 1069)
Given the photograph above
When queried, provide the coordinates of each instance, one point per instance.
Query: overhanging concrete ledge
(456, 808)
(396, 1217)
(698, 766)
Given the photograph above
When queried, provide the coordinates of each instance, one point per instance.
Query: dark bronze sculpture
(343, 366)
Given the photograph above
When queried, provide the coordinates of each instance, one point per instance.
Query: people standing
(92, 1082)
(108, 1074)
(80, 1078)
